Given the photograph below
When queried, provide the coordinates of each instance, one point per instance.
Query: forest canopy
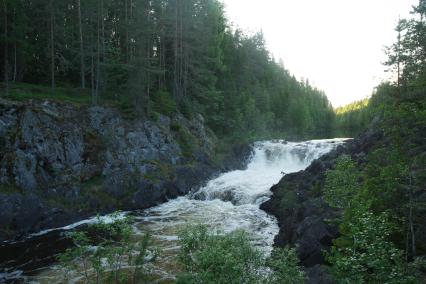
(159, 56)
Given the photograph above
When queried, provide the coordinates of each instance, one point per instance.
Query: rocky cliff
(61, 162)
(304, 217)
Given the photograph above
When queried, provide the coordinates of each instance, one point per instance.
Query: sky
(337, 44)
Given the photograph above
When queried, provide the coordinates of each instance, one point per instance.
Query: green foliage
(94, 183)
(377, 237)
(186, 142)
(213, 258)
(9, 189)
(162, 57)
(383, 218)
(24, 92)
(285, 266)
(341, 183)
(288, 200)
(164, 103)
(231, 258)
(369, 256)
(387, 176)
(116, 258)
(353, 118)
(407, 55)
(261, 99)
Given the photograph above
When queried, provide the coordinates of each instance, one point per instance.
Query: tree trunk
(103, 30)
(80, 31)
(148, 75)
(92, 77)
(175, 71)
(407, 245)
(161, 49)
(410, 217)
(52, 46)
(103, 58)
(399, 60)
(181, 56)
(185, 74)
(130, 23)
(15, 65)
(180, 51)
(163, 44)
(6, 64)
(91, 42)
(126, 16)
(15, 56)
(98, 54)
(163, 63)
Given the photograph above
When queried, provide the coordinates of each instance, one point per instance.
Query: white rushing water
(227, 203)
(231, 201)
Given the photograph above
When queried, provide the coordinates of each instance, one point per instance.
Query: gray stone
(24, 170)
(66, 163)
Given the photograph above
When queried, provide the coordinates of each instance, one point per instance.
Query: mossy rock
(288, 200)
(93, 184)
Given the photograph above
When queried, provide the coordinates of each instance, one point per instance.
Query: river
(227, 203)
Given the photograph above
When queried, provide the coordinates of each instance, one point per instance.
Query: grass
(24, 92)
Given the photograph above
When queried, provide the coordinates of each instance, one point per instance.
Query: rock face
(60, 163)
(302, 213)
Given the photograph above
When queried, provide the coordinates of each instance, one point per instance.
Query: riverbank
(304, 218)
(62, 162)
(227, 203)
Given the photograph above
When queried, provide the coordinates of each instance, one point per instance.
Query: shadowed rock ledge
(303, 215)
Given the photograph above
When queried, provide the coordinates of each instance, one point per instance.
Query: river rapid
(227, 203)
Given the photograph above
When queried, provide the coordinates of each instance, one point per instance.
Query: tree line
(160, 56)
(407, 56)
(382, 195)
(406, 62)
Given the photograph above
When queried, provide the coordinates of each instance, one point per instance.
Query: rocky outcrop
(304, 217)
(60, 163)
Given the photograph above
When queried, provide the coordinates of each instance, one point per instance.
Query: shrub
(186, 142)
(105, 253)
(231, 258)
(342, 183)
(164, 103)
(285, 266)
(367, 255)
(214, 258)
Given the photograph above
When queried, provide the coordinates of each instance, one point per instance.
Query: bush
(164, 103)
(187, 142)
(213, 258)
(367, 255)
(104, 253)
(231, 258)
(342, 183)
(285, 266)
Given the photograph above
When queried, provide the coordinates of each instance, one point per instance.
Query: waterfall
(231, 201)
(228, 202)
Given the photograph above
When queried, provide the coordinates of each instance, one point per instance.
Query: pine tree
(6, 48)
(80, 38)
(52, 45)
